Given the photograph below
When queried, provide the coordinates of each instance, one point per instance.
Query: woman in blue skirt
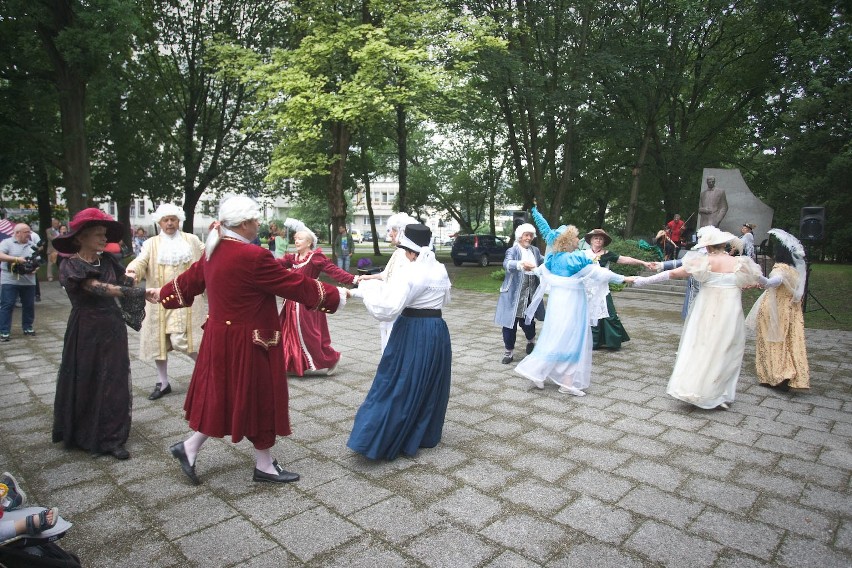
(406, 405)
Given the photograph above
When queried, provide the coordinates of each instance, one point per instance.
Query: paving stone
(600, 484)
(180, 518)
(777, 444)
(653, 503)
(638, 427)
(745, 454)
(450, 547)
(729, 433)
(703, 464)
(630, 409)
(584, 555)
(722, 495)
(530, 536)
(597, 519)
(797, 519)
(643, 446)
(603, 459)
(844, 536)
(546, 467)
(757, 539)
(799, 552)
(541, 497)
(836, 477)
(313, 533)
(672, 547)
(396, 519)
(470, 507)
(652, 473)
(691, 424)
(227, 543)
(827, 500)
(509, 559)
(349, 494)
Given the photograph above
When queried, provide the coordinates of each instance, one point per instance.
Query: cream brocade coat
(777, 361)
(158, 320)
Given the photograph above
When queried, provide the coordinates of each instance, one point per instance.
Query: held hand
(655, 266)
(152, 295)
(130, 274)
(629, 279)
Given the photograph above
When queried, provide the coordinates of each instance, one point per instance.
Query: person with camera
(20, 260)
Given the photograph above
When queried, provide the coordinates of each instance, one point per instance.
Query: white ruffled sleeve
(697, 265)
(747, 272)
(384, 301)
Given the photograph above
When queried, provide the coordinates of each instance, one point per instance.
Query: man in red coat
(239, 386)
(675, 227)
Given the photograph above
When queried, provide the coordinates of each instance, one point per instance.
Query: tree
(200, 115)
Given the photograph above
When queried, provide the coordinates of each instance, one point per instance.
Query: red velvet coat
(239, 386)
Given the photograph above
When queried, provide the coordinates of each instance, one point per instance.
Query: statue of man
(712, 205)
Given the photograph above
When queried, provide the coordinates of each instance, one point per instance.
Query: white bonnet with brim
(524, 228)
(168, 210)
(710, 235)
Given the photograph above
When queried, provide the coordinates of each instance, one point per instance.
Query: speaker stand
(808, 293)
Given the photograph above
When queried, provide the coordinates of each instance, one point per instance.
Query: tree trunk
(44, 199)
(402, 156)
(340, 138)
(634, 190)
(71, 86)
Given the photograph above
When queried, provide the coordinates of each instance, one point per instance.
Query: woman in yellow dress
(780, 355)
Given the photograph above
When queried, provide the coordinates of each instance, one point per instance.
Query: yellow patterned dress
(780, 353)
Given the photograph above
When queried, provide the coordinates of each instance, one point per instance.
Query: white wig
(299, 227)
(524, 228)
(232, 212)
(399, 221)
(168, 210)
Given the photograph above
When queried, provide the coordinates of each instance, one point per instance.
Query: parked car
(357, 236)
(481, 249)
(368, 237)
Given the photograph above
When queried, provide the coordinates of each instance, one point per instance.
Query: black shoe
(4, 337)
(29, 332)
(120, 453)
(530, 347)
(283, 476)
(157, 393)
(507, 359)
(179, 452)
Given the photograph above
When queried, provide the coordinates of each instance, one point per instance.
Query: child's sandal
(43, 524)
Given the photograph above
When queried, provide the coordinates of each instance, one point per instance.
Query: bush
(629, 248)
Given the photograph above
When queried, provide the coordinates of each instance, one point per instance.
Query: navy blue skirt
(406, 405)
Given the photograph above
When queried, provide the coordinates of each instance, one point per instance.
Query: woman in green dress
(609, 332)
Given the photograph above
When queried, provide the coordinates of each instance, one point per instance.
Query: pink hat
(84, 219)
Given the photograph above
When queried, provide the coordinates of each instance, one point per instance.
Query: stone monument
(742, 205)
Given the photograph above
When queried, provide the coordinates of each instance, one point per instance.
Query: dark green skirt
(609, 333)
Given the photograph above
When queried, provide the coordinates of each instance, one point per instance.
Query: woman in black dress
(92, 406)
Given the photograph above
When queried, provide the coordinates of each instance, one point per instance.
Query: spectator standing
(160, 261)
(13, 285)
(138, 240)
(747, 231)
(343, 247)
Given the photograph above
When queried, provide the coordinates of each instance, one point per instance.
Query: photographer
(20, 260)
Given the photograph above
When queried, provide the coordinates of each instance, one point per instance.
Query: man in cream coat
(161, 260)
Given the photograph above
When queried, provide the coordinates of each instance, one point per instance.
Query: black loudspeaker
(519, 218)
(812, 224)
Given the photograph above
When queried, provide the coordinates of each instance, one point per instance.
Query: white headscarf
(232, 212)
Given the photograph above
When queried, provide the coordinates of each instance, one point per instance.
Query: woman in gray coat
(519, 286)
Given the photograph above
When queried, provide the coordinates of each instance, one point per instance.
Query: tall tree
(199, 113)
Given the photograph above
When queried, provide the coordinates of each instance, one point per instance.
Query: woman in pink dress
(305, 337)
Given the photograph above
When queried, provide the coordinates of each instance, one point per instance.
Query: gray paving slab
(624, 477)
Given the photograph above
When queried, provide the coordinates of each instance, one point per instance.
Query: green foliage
(627, 247)
(498, 275)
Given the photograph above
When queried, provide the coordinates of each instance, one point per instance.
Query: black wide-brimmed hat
(415, 236)
(88, 218)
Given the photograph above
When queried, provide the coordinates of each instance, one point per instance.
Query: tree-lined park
(603, 113)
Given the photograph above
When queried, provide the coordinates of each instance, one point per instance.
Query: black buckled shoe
(179, 452)
(120, 453)
(283, 476)
(157, 393)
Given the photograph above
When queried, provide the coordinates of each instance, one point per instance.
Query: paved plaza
(624, 477)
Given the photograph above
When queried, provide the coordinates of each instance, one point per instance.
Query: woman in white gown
(712, 343)
(577, 290)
